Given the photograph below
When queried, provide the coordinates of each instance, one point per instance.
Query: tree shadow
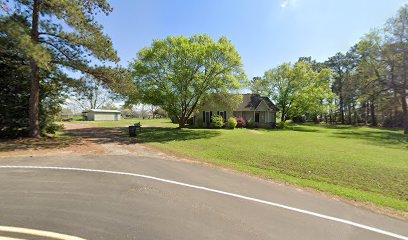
(337, 126)
(382, 138)
(8, 145)
(302, 129)
(120, 135)
(101, 135)
(158, 134)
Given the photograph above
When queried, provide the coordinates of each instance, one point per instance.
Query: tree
(372, 71)
(62, 35)
(15, 87)
(178, 73)
(154, 110)
(91, 94)
(342, 65)
(397, 40)
(298, 90)
(257, 85)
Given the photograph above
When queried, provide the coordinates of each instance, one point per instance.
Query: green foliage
(15, 89)
(281, 125)
(251, 124)
(370, 79)
(178, 73)
(232, 123)
(55, 36)
(217, 121)
(298, 89)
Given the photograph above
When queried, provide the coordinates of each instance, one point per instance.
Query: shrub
(281, 125)
(218, 121)
(251, 123)
(241, 122)
(52, 128)
(232, 123)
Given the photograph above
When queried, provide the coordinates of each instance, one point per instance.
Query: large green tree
(298, 89)
(15, 82)
(62, 34)
(178, 73)
(396, 52)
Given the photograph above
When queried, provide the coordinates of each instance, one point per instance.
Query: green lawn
(364, 164)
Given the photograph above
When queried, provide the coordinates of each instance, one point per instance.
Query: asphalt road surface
(142, 197)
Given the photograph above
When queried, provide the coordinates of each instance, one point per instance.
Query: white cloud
(289, 3)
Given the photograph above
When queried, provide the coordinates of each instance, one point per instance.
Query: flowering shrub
(241, 122)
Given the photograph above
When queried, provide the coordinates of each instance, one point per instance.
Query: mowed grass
(364, 164)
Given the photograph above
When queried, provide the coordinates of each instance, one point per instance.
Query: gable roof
(251, 101)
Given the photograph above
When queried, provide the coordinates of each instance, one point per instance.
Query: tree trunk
(34, 103)
(372, 113)
(283, 118)
(355, 115)
(182, 122)
(341, 109)
(366, 113)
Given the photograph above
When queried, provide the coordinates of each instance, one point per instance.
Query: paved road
(106, 205)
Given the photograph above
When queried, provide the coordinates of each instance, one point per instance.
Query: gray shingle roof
(251, 101)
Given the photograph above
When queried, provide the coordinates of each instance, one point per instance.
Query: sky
(266, 33)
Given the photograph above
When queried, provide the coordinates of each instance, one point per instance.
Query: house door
(257, 117)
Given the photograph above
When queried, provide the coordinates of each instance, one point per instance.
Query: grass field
(364, 164)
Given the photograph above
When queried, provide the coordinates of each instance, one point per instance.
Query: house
(101, 115)
(253, 107)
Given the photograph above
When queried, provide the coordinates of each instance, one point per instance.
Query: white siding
(102, 116)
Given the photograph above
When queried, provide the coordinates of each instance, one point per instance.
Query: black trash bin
(132, 131)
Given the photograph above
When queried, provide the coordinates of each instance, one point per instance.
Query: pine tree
(63, 34)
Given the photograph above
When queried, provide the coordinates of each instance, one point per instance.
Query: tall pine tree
(63, 34)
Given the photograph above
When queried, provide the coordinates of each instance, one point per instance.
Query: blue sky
(266, 33)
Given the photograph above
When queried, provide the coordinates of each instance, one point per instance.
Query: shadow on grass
(311, 127)
(36, 144)
(119, 135)
(302, 129)
(384, 138)
(105, 135)
(157, 134)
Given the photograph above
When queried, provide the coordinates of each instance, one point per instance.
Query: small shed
(102, 115)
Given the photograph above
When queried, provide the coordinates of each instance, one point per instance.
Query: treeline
(368, 84)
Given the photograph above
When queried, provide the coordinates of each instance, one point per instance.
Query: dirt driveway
(82, 140)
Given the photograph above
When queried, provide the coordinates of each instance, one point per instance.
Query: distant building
(101, 115)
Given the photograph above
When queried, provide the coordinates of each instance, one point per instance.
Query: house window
(223, 114)
(208, 115)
